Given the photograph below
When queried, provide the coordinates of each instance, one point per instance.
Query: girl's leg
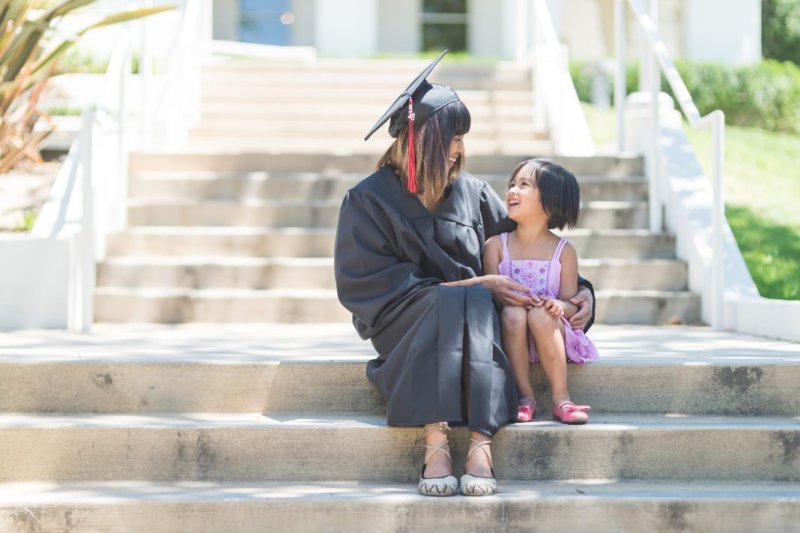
(515, 344)
(546, 331)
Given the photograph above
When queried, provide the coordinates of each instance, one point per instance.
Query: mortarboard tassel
(412, 160)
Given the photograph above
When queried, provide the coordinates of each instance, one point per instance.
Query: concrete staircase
(272, 426)
(275, 428)
(234, 242)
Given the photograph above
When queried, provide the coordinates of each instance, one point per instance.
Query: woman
(407, 259)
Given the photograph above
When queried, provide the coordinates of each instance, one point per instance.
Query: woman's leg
(437, 464)
(549, 339)
(479, 464)
(515, 344)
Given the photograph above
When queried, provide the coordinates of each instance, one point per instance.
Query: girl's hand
(508, 292)
(584, 302)
(555, 308)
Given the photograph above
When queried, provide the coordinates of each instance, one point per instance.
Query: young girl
(541, 196)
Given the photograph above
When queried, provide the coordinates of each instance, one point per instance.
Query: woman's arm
(503, 289)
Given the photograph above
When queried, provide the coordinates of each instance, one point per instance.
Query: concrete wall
(34, 287)
(485, 28)
(723, 30)
(226, 20)
(304, 27)
(399, 26)
(347, 27)
(726, 31)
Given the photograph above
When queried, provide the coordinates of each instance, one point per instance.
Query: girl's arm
(569, 279)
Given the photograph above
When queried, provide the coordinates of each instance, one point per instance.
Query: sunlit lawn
(762, 192)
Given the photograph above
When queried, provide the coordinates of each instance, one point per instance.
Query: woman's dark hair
(431, 143)
(558, 191)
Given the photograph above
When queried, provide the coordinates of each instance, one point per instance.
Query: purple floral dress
(544, 280)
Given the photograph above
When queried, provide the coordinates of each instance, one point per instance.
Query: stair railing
(715, 120)
(556, 104)
(88, 198)
(171, 106)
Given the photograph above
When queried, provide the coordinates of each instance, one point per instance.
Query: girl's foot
(569, 413)
(526, 410)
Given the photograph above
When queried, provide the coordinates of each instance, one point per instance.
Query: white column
(346, 27)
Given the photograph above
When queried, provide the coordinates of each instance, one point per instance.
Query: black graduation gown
(391, 254)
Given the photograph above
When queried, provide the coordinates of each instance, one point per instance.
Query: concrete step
(240, 368)
(315, 186)
(318, 242)
(377, 98)
(301, 147)
(118, 304)
(483, 111)
(308, 126)
(226, 240)
(317, 273)
(647, 307)
(253, 447)
(608, 505)
(257, 161)
(325, 213)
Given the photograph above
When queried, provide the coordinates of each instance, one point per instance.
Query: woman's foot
(478, 478)
(436, 477)
(569, 413)
(526, 410)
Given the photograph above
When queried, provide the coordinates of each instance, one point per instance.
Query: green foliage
(780, 30)
(766, 95)
(30, 50)
(28, 220)
(771, 250)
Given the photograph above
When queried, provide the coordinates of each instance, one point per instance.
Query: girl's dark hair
(558, 191)
(431, 143)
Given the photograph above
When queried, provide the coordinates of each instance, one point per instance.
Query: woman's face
(455, 151)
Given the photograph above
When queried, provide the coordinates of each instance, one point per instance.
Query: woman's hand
(584, 302)
(507, 291)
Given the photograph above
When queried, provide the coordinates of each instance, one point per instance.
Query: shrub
(766, 95)
(780, 30)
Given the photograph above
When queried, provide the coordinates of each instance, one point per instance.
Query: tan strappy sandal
(477, 485)
(437, 486)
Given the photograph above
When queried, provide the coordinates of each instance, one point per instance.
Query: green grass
(762, 192)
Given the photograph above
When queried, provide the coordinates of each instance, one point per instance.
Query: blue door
(265, 22)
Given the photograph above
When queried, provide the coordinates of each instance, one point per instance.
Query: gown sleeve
(493, 213)
(372, 281)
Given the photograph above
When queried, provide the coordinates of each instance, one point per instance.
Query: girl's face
(522, 196)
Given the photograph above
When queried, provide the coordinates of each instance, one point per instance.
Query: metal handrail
(715, 120)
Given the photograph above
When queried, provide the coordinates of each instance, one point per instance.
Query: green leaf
(126, 16)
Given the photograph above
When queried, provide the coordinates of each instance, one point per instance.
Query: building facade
(727, 31)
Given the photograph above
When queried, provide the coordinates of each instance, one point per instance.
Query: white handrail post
(653, 77)
(620, 88)
(87, 247)
(121, 201)
(718, 265)
(145, 76)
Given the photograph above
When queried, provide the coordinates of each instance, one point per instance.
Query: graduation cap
(416, 103)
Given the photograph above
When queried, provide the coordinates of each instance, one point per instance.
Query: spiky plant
(29, 55)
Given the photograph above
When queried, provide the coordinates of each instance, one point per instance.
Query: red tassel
(412, 160)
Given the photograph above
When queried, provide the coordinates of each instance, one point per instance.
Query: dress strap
(559, 248)
(504, 238)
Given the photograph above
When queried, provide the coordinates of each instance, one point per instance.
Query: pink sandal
(569, 413)
(526, 410)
